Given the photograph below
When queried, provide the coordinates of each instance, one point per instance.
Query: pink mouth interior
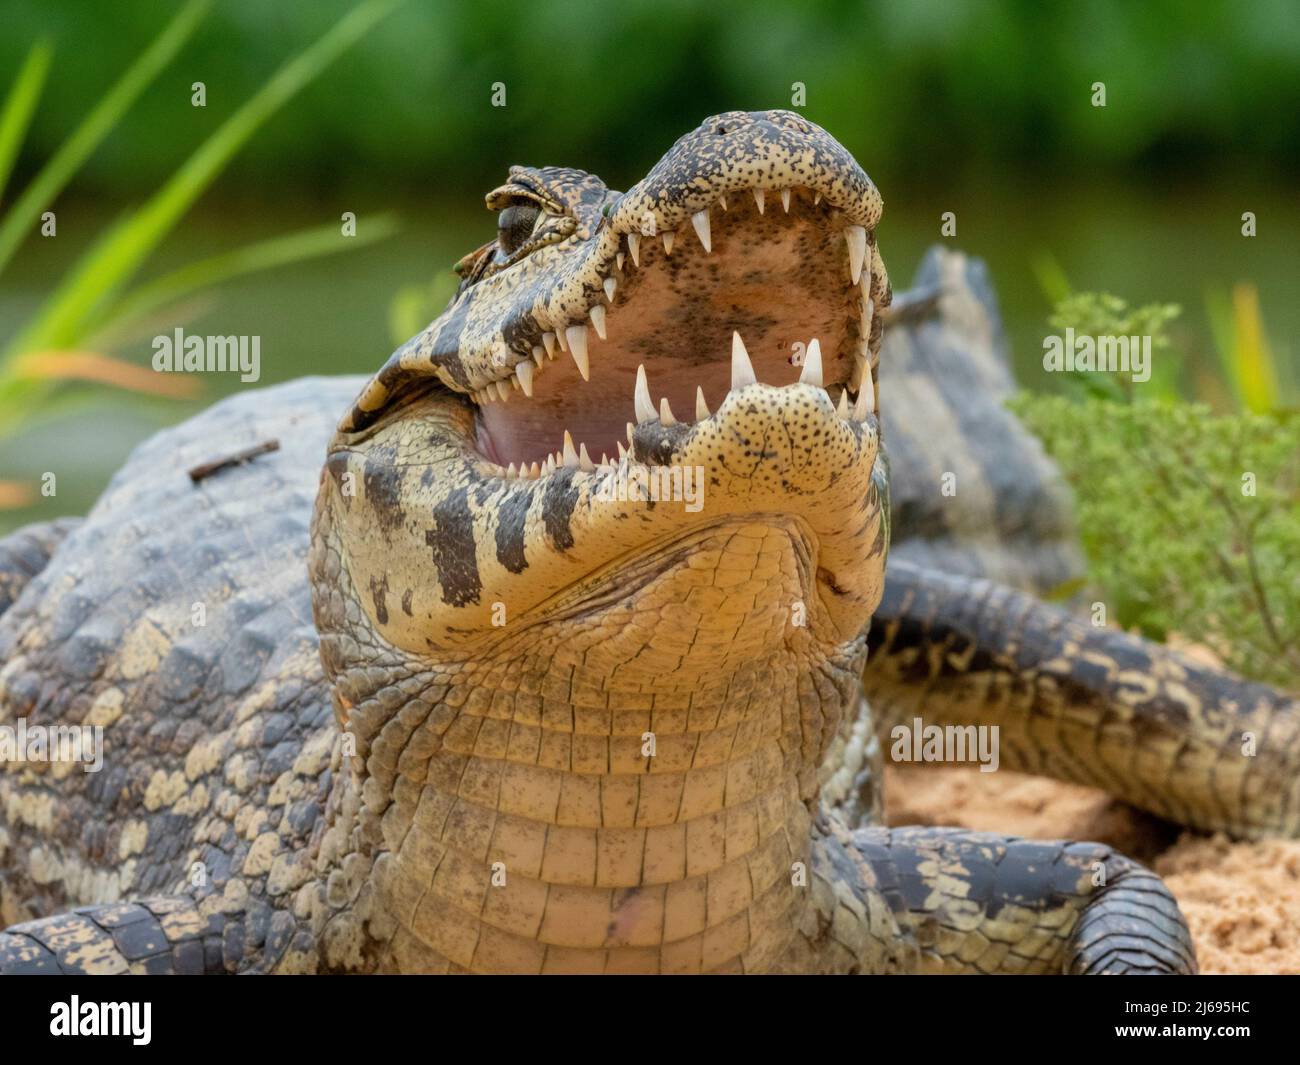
(778, 279)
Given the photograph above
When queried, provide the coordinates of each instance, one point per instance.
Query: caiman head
(628, 485)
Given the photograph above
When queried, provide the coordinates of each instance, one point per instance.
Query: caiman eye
(515, 225)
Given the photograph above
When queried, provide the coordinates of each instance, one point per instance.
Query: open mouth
(778, 277)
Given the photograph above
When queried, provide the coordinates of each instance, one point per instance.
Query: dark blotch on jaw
(383, 486)
(452, 540)
(511, 524)
(557, 508)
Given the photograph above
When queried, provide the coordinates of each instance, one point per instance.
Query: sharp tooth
(622, 451)
(722, 202)
(604, 459)
(668, 243)
(539, 353)
(812, 365)
(619, 259)
(666, 412)
(641, 401)
(570, 455)
(610, 286)
(785, 200)
(549, 467)
(742, 370)
(758, 199)
(859, 368)
(856, 237)
(502, 391)
(598, 318)
(514, 382)
(534, 471)
(701, 408)
(843, 409)
(524, 375)
(700, 220)
(576, 335)
(866, 397)
(634, 246)
(584, 460)
(817, 199)
(511, 472)
(629, 434)
(560, 339)
(548, 339)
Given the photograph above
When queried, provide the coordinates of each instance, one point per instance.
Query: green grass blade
(20, 105)
(114, 260)
(265, 255)
(94, 128)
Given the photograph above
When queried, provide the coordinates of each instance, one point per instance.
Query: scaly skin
(553, 732)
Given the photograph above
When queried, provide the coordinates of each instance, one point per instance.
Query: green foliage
(93, 300)
(1101, 314)
(919, 88)
(1190, 519)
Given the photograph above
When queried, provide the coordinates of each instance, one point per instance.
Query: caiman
(566, 661)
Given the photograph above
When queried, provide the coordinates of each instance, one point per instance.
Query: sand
(1242, 900)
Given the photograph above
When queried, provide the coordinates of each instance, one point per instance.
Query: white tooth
(514, 382)
(817, 199)
(598, 317)
(785, 200)
(859, 368)
(560, 339)
(503, 391)
(549, 467)
(604, 459)
(629, 429)
(856, 237)
(524, 375)
(634, 246)
(668, 243)
(641, 401)
(570, 456)
(722, 202)
(548, 339)
(742, 370)
(666, 412)
(539, 353)
(622, 451)
(584, 460)
(812, 365)
(619, 258)
(700, 220)
(758, 199)
(511, 472)
(576, 335)
(534, 471)
(843, 409)
(866, 398)
(701, 408)
(610, 286)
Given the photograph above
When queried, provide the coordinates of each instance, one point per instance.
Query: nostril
(720, 130)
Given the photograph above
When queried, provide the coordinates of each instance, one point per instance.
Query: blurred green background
(982, 109)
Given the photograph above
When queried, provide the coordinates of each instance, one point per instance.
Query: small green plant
(1190, 519)
(65, 340)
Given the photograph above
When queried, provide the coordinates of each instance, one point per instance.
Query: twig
(199, 473)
